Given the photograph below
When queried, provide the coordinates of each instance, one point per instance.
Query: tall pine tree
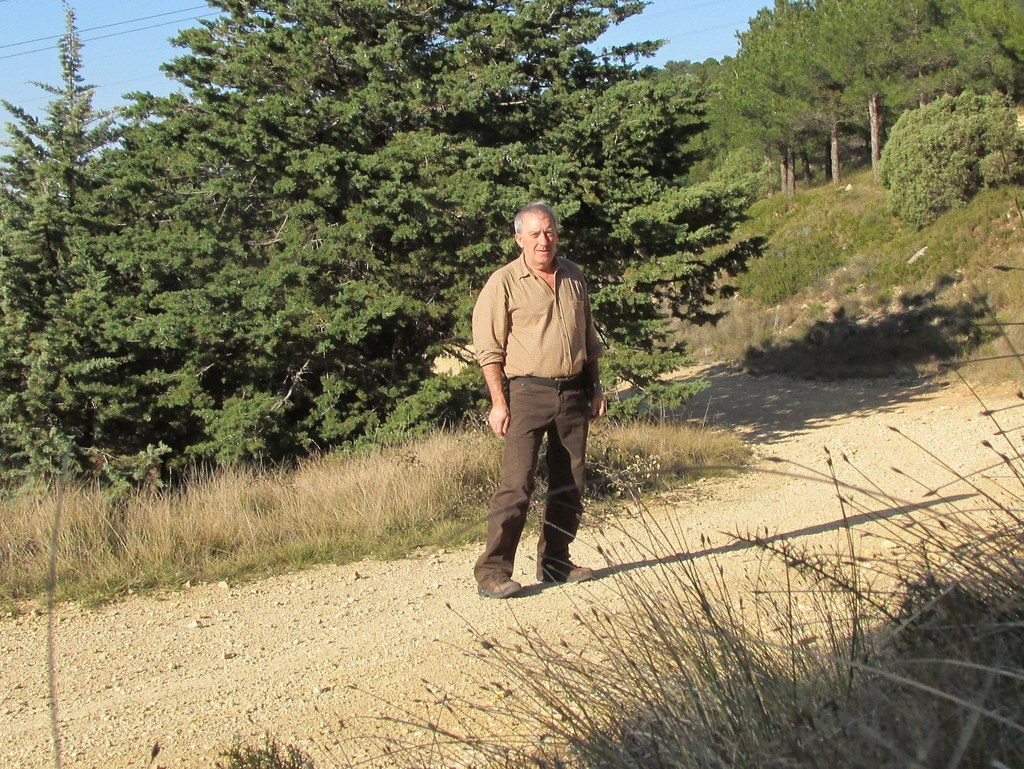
(314, 215)
(65, 384)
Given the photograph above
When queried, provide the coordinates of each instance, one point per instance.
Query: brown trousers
(537, 411)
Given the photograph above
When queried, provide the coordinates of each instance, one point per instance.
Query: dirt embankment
(317, 658)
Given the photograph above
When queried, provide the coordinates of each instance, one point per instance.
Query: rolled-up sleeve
(491, 322)
(520, 323)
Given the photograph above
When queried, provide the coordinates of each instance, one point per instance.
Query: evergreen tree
(63, 367)
(810, 73)
(314, 216)
(766, 90)
(993, 59)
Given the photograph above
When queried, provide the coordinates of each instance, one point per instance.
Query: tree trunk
(874, 113)
(837, 174)
(787, 170)
(806, 161)
(790, 171)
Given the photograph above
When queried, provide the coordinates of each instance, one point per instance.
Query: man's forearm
(494, 376)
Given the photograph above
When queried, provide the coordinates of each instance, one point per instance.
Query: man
(536, 342)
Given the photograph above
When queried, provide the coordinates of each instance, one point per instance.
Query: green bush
(940, 155)
(749, 169)
(271, 755)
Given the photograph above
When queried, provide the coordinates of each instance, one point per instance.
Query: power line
(674, 11)
(102, 26)
(112, 34)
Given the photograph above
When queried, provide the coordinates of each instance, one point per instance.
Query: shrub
(271, 755)
(940, 155)
(747, 169)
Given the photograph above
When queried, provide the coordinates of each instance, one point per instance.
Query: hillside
(844, 289)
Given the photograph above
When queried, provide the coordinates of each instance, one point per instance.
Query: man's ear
(519, 240)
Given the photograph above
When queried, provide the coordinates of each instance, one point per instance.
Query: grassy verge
(238, 524)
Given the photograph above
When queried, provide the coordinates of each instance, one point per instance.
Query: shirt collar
(523, 271)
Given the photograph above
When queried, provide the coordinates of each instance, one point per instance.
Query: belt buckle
(562, 385)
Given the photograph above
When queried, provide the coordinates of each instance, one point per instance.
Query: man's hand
(494, 376)
(498, 419)
(598, 404)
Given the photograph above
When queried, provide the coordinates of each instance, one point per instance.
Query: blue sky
(126, 42)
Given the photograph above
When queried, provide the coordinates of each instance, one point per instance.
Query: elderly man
(536, 342)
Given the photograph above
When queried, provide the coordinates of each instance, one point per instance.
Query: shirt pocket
(525, 310)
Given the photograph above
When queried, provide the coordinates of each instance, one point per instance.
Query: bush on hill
(940, 155)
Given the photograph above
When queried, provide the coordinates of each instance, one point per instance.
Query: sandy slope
(317, 657)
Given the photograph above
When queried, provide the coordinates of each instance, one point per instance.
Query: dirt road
(317, 657)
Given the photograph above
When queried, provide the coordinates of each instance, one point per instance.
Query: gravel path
(318, 658)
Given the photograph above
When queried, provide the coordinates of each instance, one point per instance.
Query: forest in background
(266, 265)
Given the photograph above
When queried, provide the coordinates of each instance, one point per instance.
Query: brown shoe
(498, 586)
(567, 572)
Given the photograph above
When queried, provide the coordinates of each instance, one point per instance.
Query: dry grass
(237, 524)
(641, 456)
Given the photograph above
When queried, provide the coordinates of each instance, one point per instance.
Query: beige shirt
(520, 323)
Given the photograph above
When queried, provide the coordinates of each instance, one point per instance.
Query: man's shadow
(757, 542)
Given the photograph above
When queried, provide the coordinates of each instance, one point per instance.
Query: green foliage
(749, 170)
(901, 300)
(808, 237)
(272, 754)
(274, 258)
(806, 73)
(764, 86)
(442, 400)
(786, 271)
(940, 155)
(68, 374)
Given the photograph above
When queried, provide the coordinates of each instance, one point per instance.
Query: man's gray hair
(536, 207)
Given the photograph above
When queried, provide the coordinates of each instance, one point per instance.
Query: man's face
(539, 240)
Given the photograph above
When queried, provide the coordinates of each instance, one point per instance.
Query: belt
(578, 382)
